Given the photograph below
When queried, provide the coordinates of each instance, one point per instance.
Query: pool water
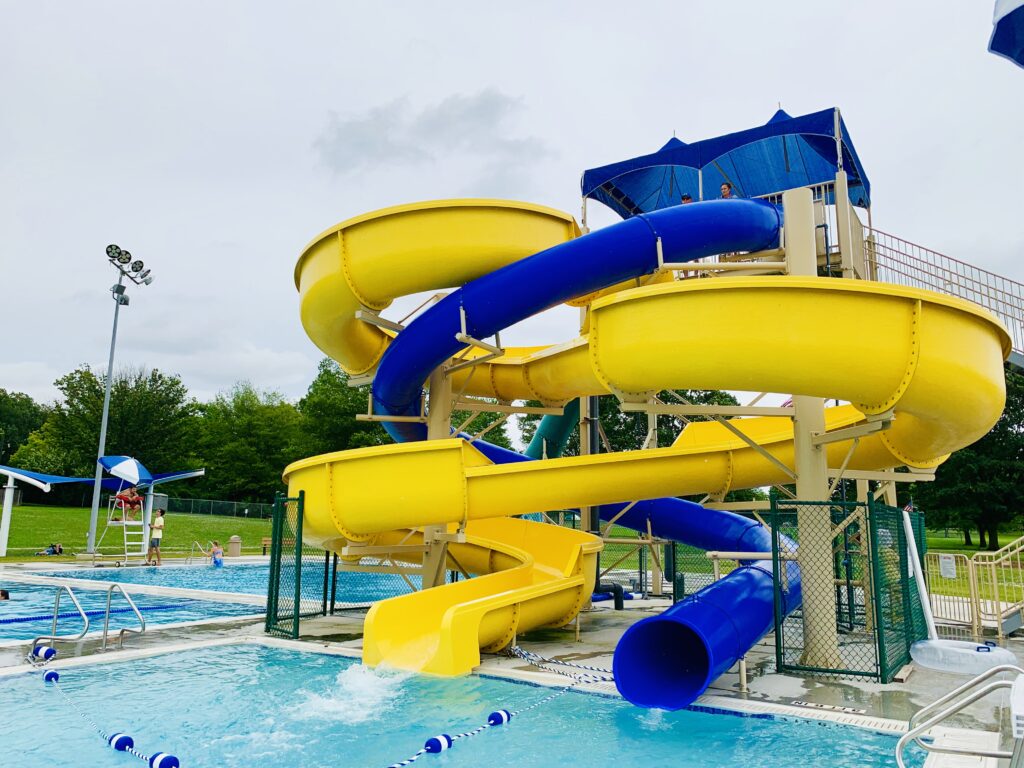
(268, 708)
(247, 579)
(31, 600)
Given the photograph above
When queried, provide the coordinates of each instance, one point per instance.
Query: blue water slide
(664, 661)
(667, 661)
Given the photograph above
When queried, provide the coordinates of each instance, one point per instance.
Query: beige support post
(821, 641)
(890, 494)
(656, 572)
(584, 450)
(844, 235)
(439, 414)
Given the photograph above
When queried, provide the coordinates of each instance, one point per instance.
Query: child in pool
(217, 555)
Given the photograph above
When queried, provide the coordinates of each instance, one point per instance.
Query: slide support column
(814, 524)
(439, 414)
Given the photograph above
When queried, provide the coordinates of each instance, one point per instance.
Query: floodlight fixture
(113, 251)
(137, 265)
(147, 281)
(124, 257)
(144, 274)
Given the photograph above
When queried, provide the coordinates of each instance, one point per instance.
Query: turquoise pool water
(248, 579)
(30, 600)
(267, 708)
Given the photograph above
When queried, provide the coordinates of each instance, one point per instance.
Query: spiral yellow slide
(934, 361)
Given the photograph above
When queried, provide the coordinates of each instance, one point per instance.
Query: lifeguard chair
(133, 531)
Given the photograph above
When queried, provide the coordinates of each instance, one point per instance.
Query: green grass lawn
(33, 528)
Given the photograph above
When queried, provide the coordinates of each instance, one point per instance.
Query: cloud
(474, 136)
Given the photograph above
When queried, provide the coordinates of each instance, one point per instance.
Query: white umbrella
(1008, 31)
(127, 468)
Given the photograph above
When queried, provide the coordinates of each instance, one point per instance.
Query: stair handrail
(1000, 554)
(192, 551)
(972, 683)
(125, 630)
(916, 732)
(53, 637)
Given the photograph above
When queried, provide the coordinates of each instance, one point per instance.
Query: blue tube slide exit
(664, 661)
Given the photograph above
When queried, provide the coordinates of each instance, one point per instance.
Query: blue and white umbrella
(1008, 31)
(127, 468)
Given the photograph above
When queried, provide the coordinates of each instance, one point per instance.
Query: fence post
(883, 659)
(773, 517)
(327, 566)
(334, 581)
(273, 583)
(299, 509)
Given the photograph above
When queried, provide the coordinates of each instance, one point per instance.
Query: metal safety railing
(125, 630)
(192, 552)
(34, 656)
(53, 637)
(984, 591)
(947, 706)
(1000, 591)
(894, 260)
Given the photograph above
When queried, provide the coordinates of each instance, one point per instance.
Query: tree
(981, 483)
(329, 414)
(246, 439)
(152, 418)
(20, 415)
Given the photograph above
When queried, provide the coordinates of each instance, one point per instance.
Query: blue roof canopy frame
(784, 153)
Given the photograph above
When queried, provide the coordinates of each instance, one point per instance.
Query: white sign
(947, 566)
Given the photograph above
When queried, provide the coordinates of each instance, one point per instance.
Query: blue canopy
(784, 153)
(40, 480)
(44, 481)
(1008, 31)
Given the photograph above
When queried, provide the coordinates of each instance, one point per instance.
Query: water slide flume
(935, 361)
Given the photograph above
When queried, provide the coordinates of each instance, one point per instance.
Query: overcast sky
(215, 139)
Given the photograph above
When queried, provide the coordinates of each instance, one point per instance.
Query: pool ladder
(956, 700)
(53, 637)
(192, 553)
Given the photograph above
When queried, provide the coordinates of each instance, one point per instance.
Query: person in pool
(217, 555)
(4, 594)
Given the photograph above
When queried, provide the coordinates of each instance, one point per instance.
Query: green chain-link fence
(860, 610)
(308, 581)
(299, 584)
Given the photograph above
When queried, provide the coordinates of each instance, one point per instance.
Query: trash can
(235, 546)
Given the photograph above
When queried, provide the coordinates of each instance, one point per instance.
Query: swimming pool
(248, 705)
(31, 600)
(247, 579)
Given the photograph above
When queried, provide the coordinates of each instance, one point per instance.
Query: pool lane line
(443, 742)
(119, 742)
(90, 614)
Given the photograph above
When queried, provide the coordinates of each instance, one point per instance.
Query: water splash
(359, 694)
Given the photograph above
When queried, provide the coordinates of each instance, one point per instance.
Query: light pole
(136, 273)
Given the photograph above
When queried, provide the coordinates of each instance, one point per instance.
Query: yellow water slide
(935, 362)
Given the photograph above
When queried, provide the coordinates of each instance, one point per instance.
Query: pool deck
(853, 702)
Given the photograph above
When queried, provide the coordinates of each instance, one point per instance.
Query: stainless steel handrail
(126, 630)
(53, 636)
(973, 682)
(192, 552)
(916, 732)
